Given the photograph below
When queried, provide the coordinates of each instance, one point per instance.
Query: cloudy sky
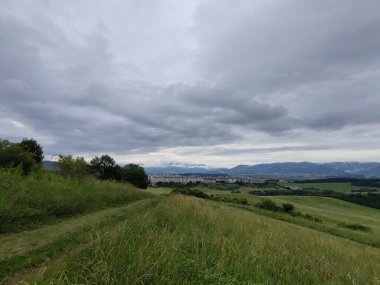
(214, 82)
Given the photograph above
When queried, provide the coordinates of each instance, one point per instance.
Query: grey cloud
(231, 70)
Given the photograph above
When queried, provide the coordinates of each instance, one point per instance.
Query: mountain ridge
(336, 169)
(333, 169)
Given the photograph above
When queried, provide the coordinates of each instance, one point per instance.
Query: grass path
(27, 249)
(185, 240)
(171, 238)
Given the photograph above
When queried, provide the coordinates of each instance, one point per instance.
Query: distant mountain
(52, 165)
(335, 169)
(286, 168)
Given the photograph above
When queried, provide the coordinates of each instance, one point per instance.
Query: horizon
(213, 83)
(204, 166)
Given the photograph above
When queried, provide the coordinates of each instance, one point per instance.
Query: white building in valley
(185, 179)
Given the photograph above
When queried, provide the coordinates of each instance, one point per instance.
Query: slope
(185, 240)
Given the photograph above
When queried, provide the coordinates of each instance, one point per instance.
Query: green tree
(75, 167)
(105, 167)
(135, 175)
(31, 145)
(13, 155)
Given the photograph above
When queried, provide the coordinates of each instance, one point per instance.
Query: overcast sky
(211, 82)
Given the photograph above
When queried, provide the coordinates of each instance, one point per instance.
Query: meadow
(186, 240)
(45, 197)
(332, 213)
(131, 236)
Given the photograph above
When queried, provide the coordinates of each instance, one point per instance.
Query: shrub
(268, 205)
(191, 192)
(235, 200)
(75, 167)
(288, 207)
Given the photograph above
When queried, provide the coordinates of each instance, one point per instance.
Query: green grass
(331, 211)
(341, 187)
(176, 239)
(46, 197)
(185, 240)
(334, 212)
(223, 187)
(20, 251)
(159, 190)
(355, 227)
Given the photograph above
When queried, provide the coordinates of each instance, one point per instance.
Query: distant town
(155, 179)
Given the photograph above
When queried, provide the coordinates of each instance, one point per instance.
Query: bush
(268, 205)
(191, 192)
(288, 207)
(223, 186)
(235, 200)
(74, 167)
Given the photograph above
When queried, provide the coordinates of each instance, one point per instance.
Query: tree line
(28, 155)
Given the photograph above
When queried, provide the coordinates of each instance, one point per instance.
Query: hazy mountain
(338, 169)
(52, 165)
(285, 168)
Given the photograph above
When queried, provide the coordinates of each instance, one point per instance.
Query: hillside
(176, 239)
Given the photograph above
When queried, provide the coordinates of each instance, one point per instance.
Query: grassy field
(342, 187)
(332, 212)
(46, 197)
(174, 239)
(185, 240)
(21, 254)
(159, 190)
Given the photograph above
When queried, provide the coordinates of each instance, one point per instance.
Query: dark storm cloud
(214, 73)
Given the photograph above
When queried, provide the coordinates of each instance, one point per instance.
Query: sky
(202, 82)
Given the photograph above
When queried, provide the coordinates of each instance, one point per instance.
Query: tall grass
(42, 197)
(186, 240)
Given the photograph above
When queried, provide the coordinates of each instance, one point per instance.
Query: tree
(76, 167)
(105, 167)
(135, 175)
(13, 155)
(31, 146)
